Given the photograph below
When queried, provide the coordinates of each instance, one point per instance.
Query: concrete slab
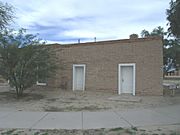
(95, 120)
(21, 119)
(146, 117)
(4, 114)
(125, 98)
(60, 120)
(91, 120)
(170, 111)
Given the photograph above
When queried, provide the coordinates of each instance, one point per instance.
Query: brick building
(122, 66)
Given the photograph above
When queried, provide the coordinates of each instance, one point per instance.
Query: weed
(116, 129)
(45, 133)
(129, 131)
(102, 133)
(142, 130)
(9, 132)
(36, 133)
(143, 134)
(175, 133)
(134, 128)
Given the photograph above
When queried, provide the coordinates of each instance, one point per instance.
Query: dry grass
(150, 130)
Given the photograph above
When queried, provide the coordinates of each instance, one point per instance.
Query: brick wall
(102, 59)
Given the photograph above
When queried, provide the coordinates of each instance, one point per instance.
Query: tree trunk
(19, 92)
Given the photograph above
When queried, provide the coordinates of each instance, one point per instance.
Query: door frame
(84, 72)
(134, 76)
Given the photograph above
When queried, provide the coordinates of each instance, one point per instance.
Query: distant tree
(159, 31)
(23, 58)
(6, 14)
(171, 47)
(173, 16)
(145, 33)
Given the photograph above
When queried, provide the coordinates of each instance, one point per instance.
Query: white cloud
(105, 19)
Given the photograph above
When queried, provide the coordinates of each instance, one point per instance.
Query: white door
(126, 79)
(79, 78)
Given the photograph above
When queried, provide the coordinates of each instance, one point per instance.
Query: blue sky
(66, 21)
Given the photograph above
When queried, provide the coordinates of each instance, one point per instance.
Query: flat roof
(131, 40)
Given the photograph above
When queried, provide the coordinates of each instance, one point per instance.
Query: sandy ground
(51, 99)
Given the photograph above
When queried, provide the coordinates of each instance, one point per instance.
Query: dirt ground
(150, 130)
(51, 99)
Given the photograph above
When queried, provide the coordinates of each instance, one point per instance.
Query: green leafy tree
(6, 15)
(173, 16)
(172, 50)
(23, 59)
